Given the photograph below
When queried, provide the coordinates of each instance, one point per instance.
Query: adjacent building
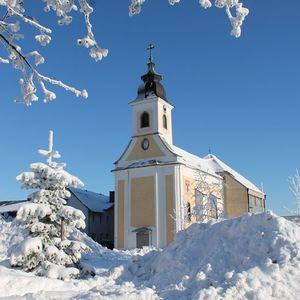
(99, 214)
(8, 209)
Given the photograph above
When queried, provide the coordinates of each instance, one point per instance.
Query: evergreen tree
(48, 221)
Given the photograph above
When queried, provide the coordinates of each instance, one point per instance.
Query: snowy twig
(20, 61)
(236, 22)
(295, 188)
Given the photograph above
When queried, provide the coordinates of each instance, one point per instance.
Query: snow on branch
(208, 198)
(234, 9)
(294, 182)
(47, 249)
(26, 63)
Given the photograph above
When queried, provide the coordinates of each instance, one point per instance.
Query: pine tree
(49, 221)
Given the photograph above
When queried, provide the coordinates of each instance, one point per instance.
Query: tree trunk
(62, 229)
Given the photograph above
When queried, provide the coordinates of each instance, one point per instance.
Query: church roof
(93, 201)
(151, 84)
(212, 165)
(11, 206)
(218, 167)
(193, 161)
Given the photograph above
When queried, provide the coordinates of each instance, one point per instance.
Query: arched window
(165, 122)
(145, 120)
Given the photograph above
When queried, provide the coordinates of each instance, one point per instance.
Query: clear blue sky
(241, 97)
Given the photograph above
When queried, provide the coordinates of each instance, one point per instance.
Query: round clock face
(145, 144)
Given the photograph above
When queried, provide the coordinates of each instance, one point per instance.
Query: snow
(193, 160)
(218, 166)
(212, 165)
(255, 256)
(93, 201)
(48, 222)
(10, 207)
(33, 210)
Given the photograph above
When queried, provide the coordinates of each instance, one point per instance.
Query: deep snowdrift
(251, 257)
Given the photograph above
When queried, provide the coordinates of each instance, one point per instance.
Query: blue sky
(241, 97)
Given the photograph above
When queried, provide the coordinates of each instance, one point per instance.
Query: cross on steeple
(150, 48)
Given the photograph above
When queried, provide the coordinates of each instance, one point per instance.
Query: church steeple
(152, 112)
(151, 85)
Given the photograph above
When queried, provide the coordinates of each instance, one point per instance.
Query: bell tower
(152, 112)
(145, 174)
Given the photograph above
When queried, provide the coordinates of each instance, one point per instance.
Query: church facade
(157, 183)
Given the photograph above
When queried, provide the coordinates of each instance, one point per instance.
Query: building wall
(74, 202)
(101, 229)
(99, 225)
(170, 226)
(143, 201)
(120, 214)
(191, 181)
(256, 202)
(139, 153)
(110, 215)
(236, 197)
(155, 107)
(189, 185)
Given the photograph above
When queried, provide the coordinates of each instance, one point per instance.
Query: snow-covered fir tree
(48, 221)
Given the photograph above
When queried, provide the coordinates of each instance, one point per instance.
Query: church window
(145, 120)
(165, 122)
(188, 212)
(187, 186)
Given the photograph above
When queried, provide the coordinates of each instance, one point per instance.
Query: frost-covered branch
(27, 63)
(208, 198)
(294, 182)
(234, 9)
(9, 37)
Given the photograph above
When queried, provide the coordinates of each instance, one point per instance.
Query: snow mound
(250, 257)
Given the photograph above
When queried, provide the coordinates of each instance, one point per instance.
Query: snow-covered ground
(250, 257)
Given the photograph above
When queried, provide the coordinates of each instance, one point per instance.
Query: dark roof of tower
(151, 84)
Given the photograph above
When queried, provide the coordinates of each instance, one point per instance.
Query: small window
(189, 212)
(145, 120)
(165, 122)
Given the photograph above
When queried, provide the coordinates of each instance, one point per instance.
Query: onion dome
(151, 85)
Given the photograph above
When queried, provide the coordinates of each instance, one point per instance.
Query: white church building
(155, 181)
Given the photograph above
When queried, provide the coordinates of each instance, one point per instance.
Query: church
(157, 184)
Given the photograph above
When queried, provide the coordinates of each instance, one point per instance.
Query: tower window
(145, 120)
(165, 122)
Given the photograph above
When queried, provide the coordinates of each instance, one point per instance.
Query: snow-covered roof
(193, 160)
(93, 201)
(10, 206)
(212, 165)
(218, 166)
